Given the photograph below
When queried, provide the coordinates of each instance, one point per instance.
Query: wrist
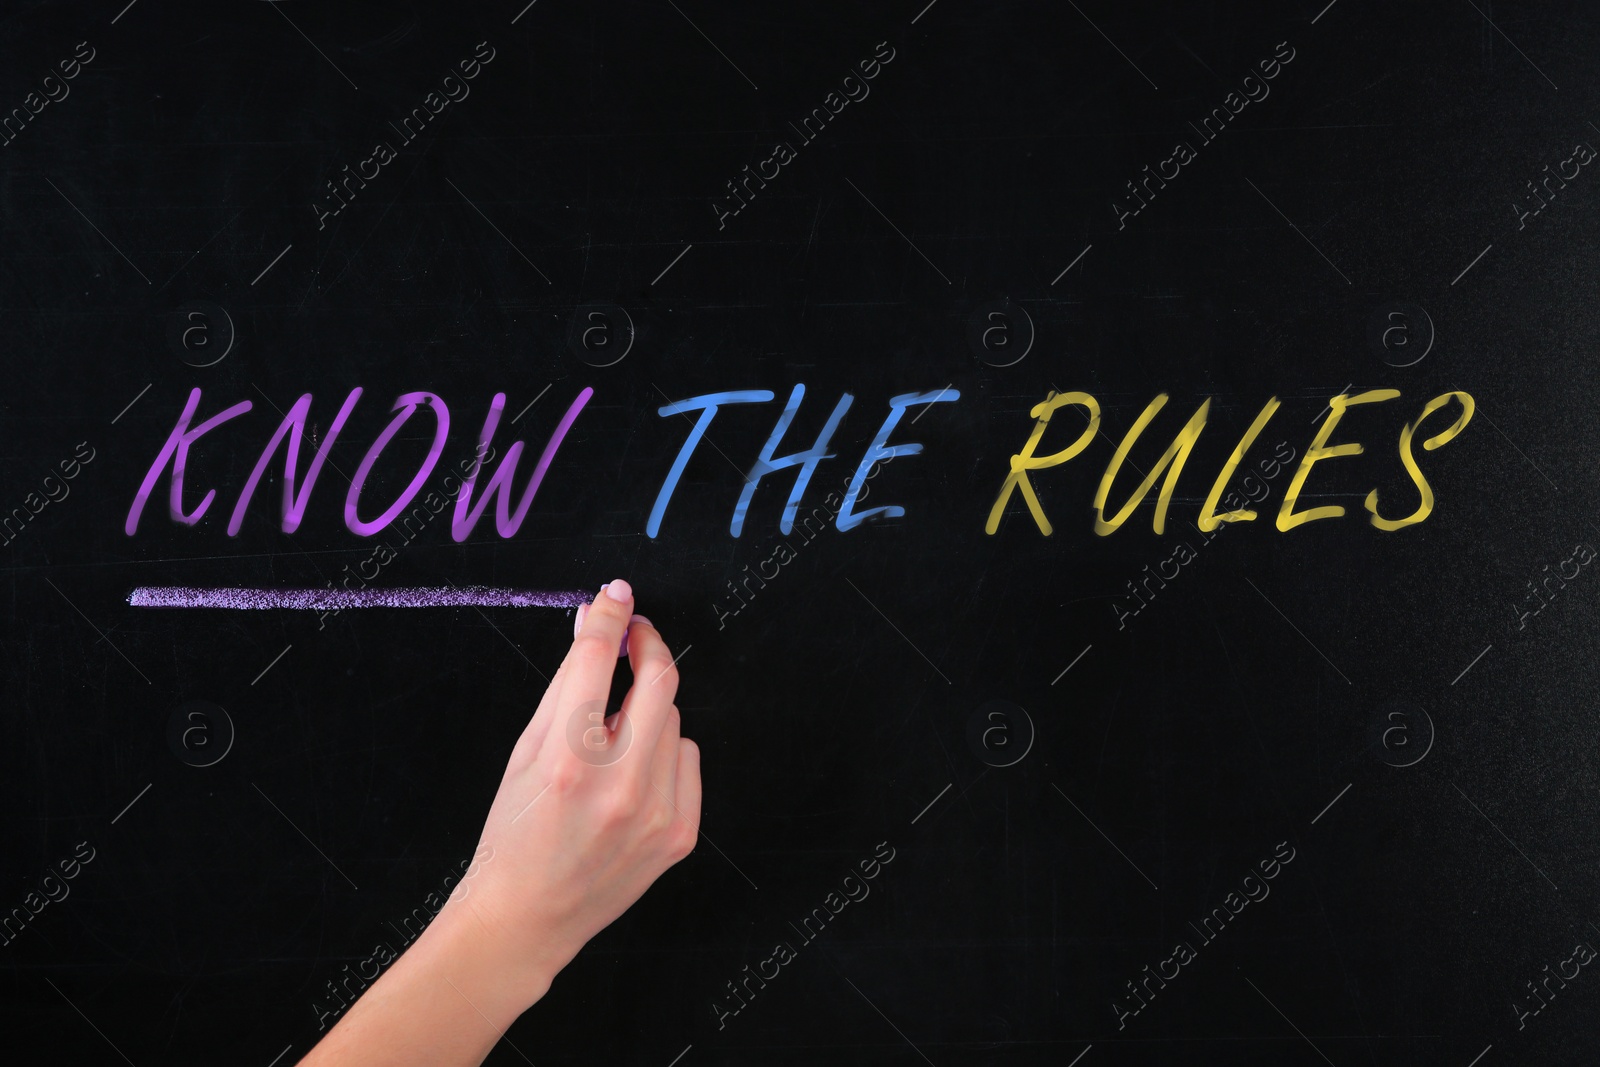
(459, 947)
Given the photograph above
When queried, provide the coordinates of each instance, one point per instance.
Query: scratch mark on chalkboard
(98, 230)
(532, 402)
(1471, 665)
(1513, 44)
(1073, 664)
(1303, 237)
(811, 238)
(889, 1020)
(669, 266)
(901, 632)
(1114, 44)
(69, 999)
(1520, 452)
(1508, 840)
(680, 1055)
(131, 803)
(932, 802)
(1074, 263)
(708, 840)
(1331, 803)
(1301, 632)
(313, 44)
(713, 44)
(273, 664)
(302, 833)
(132, 402)
(899, 231)
(1086, 1048)
(499, 231)
(1102, 833)
(1474, 263)
(1290, 1021)
(1343, 392)
(932, 402)
(274, 263)
(281, 1055)
(202, 248)
(97, 630)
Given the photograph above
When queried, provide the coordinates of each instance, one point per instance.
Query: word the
(383, 553)
(1183, 154)
(342, 992)
(1182, 553)
(50, 888)
(175, 454)
(848, 518)
(783, 152)
(1177, 454)
(1582, 956)
(34, 503)
(784, 554)
(33, 103)
(455, 90)
(1184, 953)
(1581, 154)
(1583, 554)
(784, 953)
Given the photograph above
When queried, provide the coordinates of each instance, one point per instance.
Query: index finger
(592, 660)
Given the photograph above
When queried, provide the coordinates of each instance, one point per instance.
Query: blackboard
(1238, 795)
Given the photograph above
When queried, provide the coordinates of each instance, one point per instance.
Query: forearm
(621, 808)
(440, 1003)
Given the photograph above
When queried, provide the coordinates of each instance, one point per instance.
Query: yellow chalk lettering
(1425, 507)
(1319, 450)
(1026, 461)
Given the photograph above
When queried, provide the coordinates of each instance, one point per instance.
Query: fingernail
(641, 618)
(619, 590)
(577, 620)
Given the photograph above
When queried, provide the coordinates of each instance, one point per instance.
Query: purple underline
(246, 599)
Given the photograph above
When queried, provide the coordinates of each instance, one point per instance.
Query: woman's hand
(589, 813)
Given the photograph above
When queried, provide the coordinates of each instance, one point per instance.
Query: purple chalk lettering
(499, 487)
(176, 451)
(405, 405)
(294, 503)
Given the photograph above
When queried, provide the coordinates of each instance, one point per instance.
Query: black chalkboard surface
(1138, 785)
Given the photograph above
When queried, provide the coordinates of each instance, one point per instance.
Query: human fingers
(655, 683)
(663, 767)
(687, 801)
(590, 663)
(533, 734)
